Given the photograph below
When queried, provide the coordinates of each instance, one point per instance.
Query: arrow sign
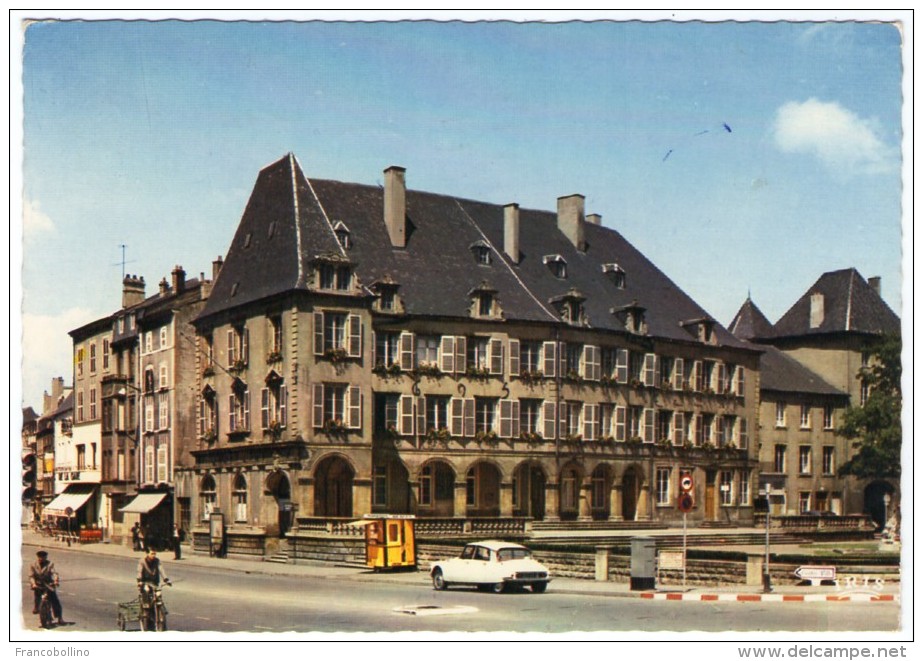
(816, 573)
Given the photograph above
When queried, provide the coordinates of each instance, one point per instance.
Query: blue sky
(151, 134)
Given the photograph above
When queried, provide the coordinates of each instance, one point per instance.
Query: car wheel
(438, 580)
(497, 588)
(539, 587)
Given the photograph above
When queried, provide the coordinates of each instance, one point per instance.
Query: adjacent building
(377, 349)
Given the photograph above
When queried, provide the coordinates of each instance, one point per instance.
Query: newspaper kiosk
(389, 541)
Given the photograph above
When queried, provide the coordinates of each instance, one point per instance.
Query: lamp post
(767, 579)
(884, 523)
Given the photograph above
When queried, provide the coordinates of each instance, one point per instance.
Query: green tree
(875, 428)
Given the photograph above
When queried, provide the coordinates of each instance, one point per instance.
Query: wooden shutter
(677, 374)
(548, 420)
(590, 421)
(698, 376)
(699, 429)
(722, 385)
(562, 359)
(469, 416)
(406, 415)
(591, 359)
(447, 354)
(354, 324)
(457, 416)
(264, 408)
(318, 333)
(374, 349)
(721, 432)
(516, 421)
(744, 435)
(506, 418)
(562, 419)
(620, 418)
(245, 344)
(246, 421)
(549, 359)
(406, 351)
(679, 427)
(232, 413)
(739, 380)
(461, 355)
(354, 407)
(495, 355)
(201, 416)
(621, 365)
(283, 404)
(232, 349)
(647, 434)
(649, 373)
(513, 348)
(421, 416)
(318, 402)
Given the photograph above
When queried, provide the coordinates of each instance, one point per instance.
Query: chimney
(216, 267)
(50, 402)
(817, 310)
(205, 286)
(132, 291)
(511, 231)
(875, 284)
(571, 220)
(594, 218)
(164, 287)
(179, 279)
(396, 206)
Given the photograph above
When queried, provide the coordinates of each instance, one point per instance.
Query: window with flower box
(273, 406)
(337, 406)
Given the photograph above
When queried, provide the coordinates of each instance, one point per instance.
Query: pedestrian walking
(177, 538)
(142, 538)
(136, 536)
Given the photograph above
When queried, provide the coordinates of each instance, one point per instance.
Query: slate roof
(781, 373)
(850, 305)
(437, 269)
(750, 322)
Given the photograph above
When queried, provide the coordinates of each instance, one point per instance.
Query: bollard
(602, 563)
(754, 569)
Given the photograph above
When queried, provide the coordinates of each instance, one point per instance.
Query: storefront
(74, 509)
(154, 512)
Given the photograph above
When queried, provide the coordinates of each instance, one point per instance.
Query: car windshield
(513, 554)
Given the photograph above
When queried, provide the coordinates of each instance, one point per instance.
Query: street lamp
(767, 579)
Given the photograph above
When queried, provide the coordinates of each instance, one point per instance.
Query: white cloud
(35, 221)
(47, 350)
(841, 140)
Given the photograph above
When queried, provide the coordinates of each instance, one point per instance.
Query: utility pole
(767, 579)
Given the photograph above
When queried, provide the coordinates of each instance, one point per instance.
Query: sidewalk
(743, 593)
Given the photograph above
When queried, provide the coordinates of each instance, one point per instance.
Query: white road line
(237, 623)
(199, 617)
(257, 626)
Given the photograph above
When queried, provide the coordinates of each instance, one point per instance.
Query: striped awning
(73, 498)
(144, 503)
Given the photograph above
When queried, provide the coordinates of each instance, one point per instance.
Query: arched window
(239, 498)
(209, 496)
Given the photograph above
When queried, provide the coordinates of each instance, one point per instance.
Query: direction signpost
(685, 503)
(816, 573)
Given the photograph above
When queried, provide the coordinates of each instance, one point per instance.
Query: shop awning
(73, 498)
(144, 503)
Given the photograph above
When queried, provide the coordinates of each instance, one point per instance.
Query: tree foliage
(875, 428)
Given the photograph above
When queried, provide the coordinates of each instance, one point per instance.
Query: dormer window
(386, 290)
(484, 301)
(570, 307)
(632, 317)
(616, 274)
(342, 234)
(485, 304)
(556, 265)
(334, 276)
(703, 329)
(481, 251)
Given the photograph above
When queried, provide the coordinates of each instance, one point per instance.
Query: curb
(800, 598)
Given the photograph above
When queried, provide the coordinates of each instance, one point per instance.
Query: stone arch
(570, 480)
(601, 480)
(632, 483)
(391, 489)
(436, 491)
(333, 486)
(529, 482)
(482, 488)
(874, 498)
(279, 485)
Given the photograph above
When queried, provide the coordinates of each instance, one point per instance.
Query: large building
(370, 349)
(810, 374)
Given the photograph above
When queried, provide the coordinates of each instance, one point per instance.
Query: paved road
(206, 599)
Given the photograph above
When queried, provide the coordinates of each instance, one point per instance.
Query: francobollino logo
(859, 585)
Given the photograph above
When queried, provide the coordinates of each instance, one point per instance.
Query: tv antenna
(124, 261)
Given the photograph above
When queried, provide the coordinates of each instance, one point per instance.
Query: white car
(492, 565)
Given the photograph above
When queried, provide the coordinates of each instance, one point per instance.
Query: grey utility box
(643, 563)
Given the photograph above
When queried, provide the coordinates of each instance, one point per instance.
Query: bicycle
(45, 613)
(153, 611)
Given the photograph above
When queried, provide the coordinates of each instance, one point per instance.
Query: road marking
(199, 617)
(424, 610)
(237, 623)
(257, 626)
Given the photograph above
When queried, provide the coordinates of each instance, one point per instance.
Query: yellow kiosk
(389, 541)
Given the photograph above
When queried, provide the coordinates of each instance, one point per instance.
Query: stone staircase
(281, 556)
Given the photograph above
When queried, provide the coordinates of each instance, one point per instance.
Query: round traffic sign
(685, 502)
(69, 511)
(686, 483)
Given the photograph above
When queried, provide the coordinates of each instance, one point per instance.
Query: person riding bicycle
(44, 578)
(150, 571)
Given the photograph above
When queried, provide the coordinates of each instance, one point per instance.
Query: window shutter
(456, 421)
(516, 421)
(246, 421)
(318, 333)
(264, 408)
(562, 419)
(562, 359)
(620, 418)
(590, 421)
(699, 429)
(461, 357)
(621, 365)
(679, 427)
(406, 421)
(201, 416)
(513, 348)
(739, 380)
(506, 418)
(447, 354)
(698, 376)
(495, 354)
(548, 420)
(232, 414)
(469, 416)
(232, 351)
(355, 336)
(549, 359)
(650, 369)
(283, 404)
(722, 385)
(374, 350)
(318, 397)
(594, 368)
(721, 423)
(744, 436)
(245, 345)
(648, 432)
(678, 374)
(354, 412)
(406, 351)
(421, 416)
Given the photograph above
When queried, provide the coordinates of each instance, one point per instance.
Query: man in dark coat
(44, 578)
